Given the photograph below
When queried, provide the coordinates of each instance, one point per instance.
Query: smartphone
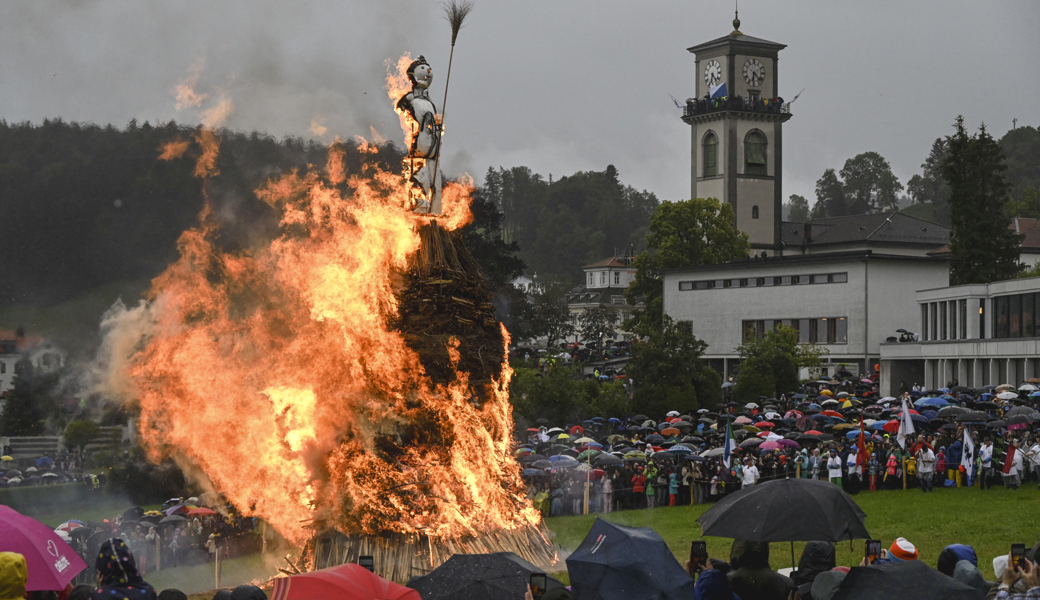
(1018, 555)
(873, 551)
(367, 562)
(538, 583)
(698, 555)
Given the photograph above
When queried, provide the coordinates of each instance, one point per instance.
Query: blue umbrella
(561, 460)
(680, 450)
(931, 402)
(852, 434)
(727, 384)
(533, 473)
(613, 420)
(879, 426)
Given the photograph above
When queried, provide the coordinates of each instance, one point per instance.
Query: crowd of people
(951, 437)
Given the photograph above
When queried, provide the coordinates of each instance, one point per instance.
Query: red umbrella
(51, 562)
(345, 582)
(762, 424)
(201, 512)
(814, 432)
(577, 429)
(533, 429)
(891, 426)
(832, 413)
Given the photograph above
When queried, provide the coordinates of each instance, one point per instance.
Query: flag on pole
(861, 447)
(906, 426)
(1009, 458)
(729, 443)
(717, 91)
(967, 452)
(677, 105)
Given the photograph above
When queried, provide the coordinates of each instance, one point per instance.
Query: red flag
(1009, 459)
(861, 451)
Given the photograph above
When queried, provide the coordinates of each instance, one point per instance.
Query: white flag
(906, 426)
(967, 452)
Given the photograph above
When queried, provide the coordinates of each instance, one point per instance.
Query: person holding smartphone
(1018, 569)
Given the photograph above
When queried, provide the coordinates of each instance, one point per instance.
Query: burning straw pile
(447, 298)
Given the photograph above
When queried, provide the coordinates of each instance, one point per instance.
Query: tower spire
(736, 19)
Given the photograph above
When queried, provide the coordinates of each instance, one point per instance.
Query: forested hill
(84, 206)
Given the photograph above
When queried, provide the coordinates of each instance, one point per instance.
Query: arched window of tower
(711, 154)
(755, 153)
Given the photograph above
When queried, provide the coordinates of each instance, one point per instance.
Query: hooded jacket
(969, 574)
(751, 577)
(818, 557)
(13, 575)
(953, 457)
(952, 554)
(713, 585)
(118, 571)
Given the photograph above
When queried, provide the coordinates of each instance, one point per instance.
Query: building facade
(847, 302)
(974, 335)
(604, 286)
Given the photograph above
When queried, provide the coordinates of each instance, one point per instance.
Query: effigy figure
(426, 138)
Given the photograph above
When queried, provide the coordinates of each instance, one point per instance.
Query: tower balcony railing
(700, 106)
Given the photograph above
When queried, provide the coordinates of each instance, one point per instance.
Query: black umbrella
(541, 464)
(949, 427)
(786, 510)
(655, 439)
(640, 418)
(972, 416)
(901, 580)
(530, 458)
(626, 563)
(498, 576)
(995, 424)
(1017, 420)
(663, 456)
(172, 519)
(952, 411)
(606, 460)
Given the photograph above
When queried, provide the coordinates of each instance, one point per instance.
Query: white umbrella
(1028, 388)
(1007, 395)
(750, 405)
(675, 413)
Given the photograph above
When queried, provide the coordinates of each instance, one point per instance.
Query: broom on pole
(455, 12)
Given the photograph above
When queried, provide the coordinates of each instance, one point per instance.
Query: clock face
(713, 73)
(754, 72)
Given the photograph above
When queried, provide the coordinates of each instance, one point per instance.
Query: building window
(953, 319)
(841, 330)
(827, 330)
(617, 277)
(754, 212)
(685, 286)
(1028, 301)
(603, 278)
(617, 299)
(804, 331)
(755, 153)
(964, 319)
(933, 311)
(592, 280)
(1000, 317)
(839, 277)
(942, 321)
(3, 367)
(711, 155)
(1015, 316)
(924, 320)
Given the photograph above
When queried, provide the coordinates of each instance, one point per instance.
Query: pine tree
(982, 249)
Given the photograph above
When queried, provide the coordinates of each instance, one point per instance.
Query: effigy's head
(420, 73)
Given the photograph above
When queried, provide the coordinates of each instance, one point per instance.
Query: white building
(45, 356)
(976, 335)
(847, 302)
(605, 284)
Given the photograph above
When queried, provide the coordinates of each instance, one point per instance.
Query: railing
(702, 106)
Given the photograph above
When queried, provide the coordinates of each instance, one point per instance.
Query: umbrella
(497, 576)
(541, 464)
(972, 416)
(951, 411)
(670, 431)
(533, 473)
(770, 446)
(1027, 388)
(750, 443)
(900, 580)
(173, 519)
(201, 512)
(615, 562)
(51, 562)
(606, 460)
(349, 582)
(1007, 395)
(714, 452)
(786, 510)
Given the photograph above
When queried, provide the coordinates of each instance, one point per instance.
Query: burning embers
(347, 373)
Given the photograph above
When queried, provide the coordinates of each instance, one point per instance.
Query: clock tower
(736, 120)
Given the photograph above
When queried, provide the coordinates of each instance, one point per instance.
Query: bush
(754, 379)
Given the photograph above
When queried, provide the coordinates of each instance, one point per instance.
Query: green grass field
(989, 520)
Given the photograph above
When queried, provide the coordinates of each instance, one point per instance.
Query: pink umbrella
(788, 443)
(52, 563)
(770, 446)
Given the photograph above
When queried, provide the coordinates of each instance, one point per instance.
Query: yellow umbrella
(5, 457)
(847, 404)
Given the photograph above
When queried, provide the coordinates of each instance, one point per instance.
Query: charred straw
(455, 12)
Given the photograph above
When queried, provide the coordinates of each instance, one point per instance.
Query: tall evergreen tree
(982, 248)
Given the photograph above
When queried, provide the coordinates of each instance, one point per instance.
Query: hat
(902, 550)
(13, 575)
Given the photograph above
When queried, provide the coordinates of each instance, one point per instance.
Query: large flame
(276, 370)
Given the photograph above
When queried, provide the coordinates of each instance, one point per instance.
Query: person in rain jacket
(752, 576)
(953, 464)
(673, 488)
(802, 463)
(713, 584)
(834, 468)
(940, 466)
(890, 471)
(873, 470)
(651, 477)
(13, 575)
(818, 557)
(117, 574)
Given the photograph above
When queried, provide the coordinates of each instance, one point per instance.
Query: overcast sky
(556, 85)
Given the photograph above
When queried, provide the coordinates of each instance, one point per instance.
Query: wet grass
(989, 520)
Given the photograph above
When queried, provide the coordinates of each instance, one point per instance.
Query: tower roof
(738, 39)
